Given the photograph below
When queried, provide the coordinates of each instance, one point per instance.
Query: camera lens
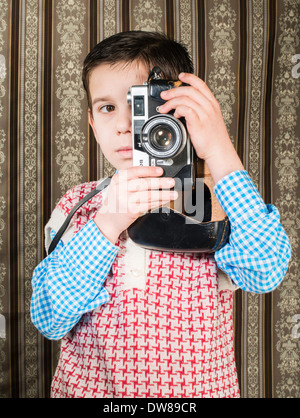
(163, 136)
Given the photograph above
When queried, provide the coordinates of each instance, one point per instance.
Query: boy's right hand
(131, 193)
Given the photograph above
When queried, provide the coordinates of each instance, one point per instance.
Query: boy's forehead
(125, 74)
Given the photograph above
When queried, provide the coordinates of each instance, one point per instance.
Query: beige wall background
(247, 51)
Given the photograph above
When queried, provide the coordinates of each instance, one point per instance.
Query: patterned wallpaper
(247, 51)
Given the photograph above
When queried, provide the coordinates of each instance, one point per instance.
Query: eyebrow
(102, 99)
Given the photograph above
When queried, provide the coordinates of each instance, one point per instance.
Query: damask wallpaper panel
(285, 191)
(4, 178)
(70, 130)
(244, 51)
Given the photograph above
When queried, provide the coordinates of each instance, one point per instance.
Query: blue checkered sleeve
(257, 255)
(69, 282)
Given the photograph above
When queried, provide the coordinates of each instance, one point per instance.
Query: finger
(196, 82)
(193, 120)
(182, 101)
(186, 92)
(137, 172)
(149, 196)
(142, 184)
(142, 208)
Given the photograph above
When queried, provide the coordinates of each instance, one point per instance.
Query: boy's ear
(91, 122)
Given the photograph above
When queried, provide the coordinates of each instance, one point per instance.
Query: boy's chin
(124, 165)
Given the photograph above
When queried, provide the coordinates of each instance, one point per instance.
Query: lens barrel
(163, 136)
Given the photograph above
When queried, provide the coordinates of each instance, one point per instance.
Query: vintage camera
(189, 224)
(160, 140)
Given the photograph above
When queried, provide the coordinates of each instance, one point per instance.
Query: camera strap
(64, 226)
(154, 232)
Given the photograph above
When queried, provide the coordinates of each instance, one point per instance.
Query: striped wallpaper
(247, 51)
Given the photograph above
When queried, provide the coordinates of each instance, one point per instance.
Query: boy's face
(111, 114)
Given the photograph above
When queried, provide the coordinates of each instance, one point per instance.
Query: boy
(141, 323)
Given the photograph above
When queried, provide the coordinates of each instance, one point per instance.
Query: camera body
(189, 224)
(160, 139)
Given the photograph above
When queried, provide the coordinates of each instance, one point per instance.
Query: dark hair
(150, 48)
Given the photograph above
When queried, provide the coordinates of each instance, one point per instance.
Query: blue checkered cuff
(69, 282)
(239, 197)
(257, 255)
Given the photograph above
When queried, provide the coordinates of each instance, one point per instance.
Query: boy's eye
(107, 108)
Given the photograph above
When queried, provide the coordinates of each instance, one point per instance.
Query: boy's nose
(124, 122)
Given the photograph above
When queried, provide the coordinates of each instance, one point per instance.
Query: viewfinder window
(139, 107)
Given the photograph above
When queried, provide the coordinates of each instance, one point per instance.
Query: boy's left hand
(205, 124)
